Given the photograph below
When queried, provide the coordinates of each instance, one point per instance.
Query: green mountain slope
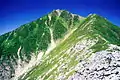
(54, 46)
(93, 35)
(34, 37)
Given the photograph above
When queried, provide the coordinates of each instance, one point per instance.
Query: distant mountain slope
(60, 46)
(35, 37)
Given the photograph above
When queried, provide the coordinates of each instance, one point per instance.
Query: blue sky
(14, 13)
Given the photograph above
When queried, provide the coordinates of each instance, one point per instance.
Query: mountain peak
(63, 12)
(57, 11)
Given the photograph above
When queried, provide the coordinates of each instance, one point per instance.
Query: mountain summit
(61, 46)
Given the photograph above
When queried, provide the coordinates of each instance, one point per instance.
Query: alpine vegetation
(61, 46)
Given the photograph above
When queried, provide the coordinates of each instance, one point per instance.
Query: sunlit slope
(93, 35)
(33, 38)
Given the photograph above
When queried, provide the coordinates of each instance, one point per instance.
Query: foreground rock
(104, 65)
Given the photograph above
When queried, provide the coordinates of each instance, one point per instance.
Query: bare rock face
(103, 65)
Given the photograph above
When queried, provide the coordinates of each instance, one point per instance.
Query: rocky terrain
(103, 65)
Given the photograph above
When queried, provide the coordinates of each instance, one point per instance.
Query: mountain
(61, 46)
(17, 47)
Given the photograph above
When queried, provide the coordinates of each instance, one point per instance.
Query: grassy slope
(35, 36)
(100, 29)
